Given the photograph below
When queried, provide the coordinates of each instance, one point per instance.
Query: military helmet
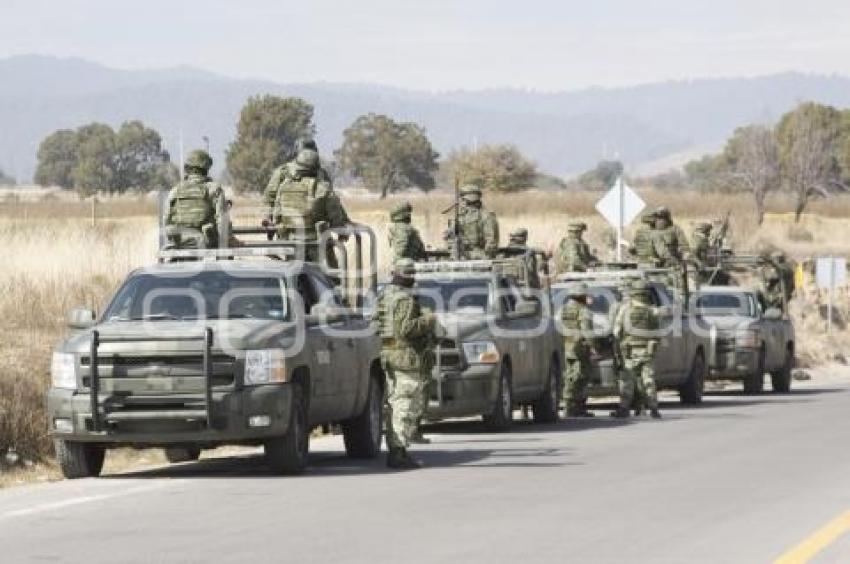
(577, 290)
(470, 192)
(576, 227)
(639, 288)
(648, 217)
(404, 268)
(662, 213)
(777, 256)
(198, 159)
(519, 235)
(400, 211)
(703, 227)
(307, 160)
(305, 143)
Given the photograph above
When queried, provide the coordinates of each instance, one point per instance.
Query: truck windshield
(204, 295)
(454, 296)
(725, 304)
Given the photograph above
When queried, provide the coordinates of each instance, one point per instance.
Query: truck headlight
(747, 338)
(264, 366)
(481, 352)
(63, 371)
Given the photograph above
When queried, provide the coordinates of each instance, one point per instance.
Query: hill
(565, 132)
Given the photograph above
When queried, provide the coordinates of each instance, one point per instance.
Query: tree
(387, 156)
(601, 177)
(808, 138)
(139, 159)
(753, 156)
(95, 150)
(501, 168)
(709, 173)
(265, 138)
(57, 158)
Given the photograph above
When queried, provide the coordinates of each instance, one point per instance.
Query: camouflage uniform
(573, 253)
(289, 170)
(479, 228)
(700, 249)
(193, 205)
(518, 242)
(634, 325)
(642, 246)
(405, 241)
(578, 334)
(407, 357)
(304, 203)
(668, 240)
(770, 293)
(785, 268)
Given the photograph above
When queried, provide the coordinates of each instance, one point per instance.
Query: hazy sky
(443, 44)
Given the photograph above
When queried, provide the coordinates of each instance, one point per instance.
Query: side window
(305, 289)
(507, 298)
(324, 291)
(660, 297)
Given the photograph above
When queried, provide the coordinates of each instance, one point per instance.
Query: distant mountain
(565, 132)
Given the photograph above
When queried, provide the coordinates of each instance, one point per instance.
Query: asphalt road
(740, 479)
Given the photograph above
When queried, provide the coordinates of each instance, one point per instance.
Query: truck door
(316, 351)
(670, 357)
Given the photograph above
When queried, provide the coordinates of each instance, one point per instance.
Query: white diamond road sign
(611, 209)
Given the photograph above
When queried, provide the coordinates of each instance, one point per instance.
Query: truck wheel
(780, 380)
(362, 435)
(502, 415)
(546, 408)
(754, 382)
(690, 393)
(79, 460)
(288, 454)
(187, 453)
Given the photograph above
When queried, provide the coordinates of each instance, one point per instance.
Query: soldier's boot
(400, 459)
(655, 413)
(578, 412)
(638, 410)
(620, 413)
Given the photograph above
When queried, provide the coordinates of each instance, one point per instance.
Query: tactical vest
(641, 320)
(297, 205)
(643, 245)
(191, 203)
(404, 242)
(383, 313)
(472, 229)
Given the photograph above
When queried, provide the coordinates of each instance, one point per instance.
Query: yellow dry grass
(55, 259)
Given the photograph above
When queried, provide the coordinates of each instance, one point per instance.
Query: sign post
(620, 206)
(830, 273)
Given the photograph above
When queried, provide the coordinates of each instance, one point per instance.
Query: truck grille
(187, 368)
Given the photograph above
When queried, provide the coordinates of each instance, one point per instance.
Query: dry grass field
(55, 259)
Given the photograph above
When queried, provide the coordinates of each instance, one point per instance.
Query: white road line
(46, 507)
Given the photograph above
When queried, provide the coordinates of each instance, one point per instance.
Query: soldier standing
(304, 204)
(578, 339)
(785, 269)
(518, 243)
(478, 228)
(642, 246)
(635, 330)
(573, 252)
(405, 241)
(668, 241)
(194, 205)
(288, 170)
(700, 249)
(407, 358)
(770, 292)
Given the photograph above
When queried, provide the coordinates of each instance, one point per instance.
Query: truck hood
(462, 325)
(237, 334)
(728, 323)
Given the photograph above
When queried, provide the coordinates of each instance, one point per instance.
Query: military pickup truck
(682, 357)
(747, 341)
(214, 347)
(500, 347)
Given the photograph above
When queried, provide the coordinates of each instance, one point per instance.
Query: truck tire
(79, 460)
(690, 393)
(182, 453)
(780, 380)
(546, 408)
(754, 382)
(362, 435)
(501, 417)
(288, 454)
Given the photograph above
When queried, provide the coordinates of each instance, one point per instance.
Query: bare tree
(754, 157)
(807, 138)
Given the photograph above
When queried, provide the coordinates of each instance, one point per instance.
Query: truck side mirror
(773, 314)
(81, 318)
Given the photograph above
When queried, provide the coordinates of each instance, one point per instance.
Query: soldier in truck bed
(404, 239)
